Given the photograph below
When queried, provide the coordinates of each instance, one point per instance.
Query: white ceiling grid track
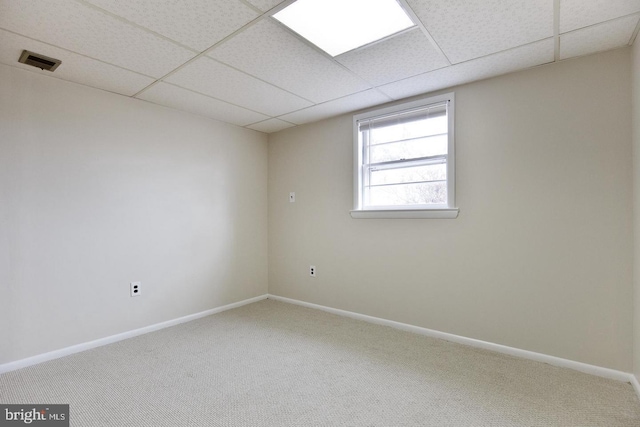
(229, 60)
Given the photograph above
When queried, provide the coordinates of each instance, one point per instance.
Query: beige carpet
(275, 364)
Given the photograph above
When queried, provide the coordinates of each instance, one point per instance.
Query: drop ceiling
(231, 61)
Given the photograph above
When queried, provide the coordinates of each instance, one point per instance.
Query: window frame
(406, 211)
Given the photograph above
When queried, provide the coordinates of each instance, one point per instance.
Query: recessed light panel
(337, 26)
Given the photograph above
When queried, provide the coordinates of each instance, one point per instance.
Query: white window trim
(410, 212)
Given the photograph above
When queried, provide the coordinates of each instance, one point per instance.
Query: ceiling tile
(489, 66)
(198, 24)
(576, 14)
(185, 100)
(394, 59)
(273, 54)
(220, 81)
(467, 29)
(596, 38)
(347, 104)
(265, 5)
(75, 68)
(271, 125)
(82, 29)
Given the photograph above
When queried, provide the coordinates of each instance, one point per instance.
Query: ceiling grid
(229, 60)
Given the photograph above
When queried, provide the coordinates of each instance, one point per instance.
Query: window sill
(447, 213)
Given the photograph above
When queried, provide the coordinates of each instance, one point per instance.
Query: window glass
(405, 156)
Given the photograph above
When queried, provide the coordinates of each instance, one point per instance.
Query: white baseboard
(525, 354)
(19, 364)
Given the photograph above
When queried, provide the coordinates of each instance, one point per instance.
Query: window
(404, 161)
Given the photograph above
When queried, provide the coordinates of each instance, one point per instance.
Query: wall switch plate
(136, 288)
(312, 270)
(292, 197)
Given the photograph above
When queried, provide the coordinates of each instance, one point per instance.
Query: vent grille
(39, 61)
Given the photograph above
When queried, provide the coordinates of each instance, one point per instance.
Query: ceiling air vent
(40, 61)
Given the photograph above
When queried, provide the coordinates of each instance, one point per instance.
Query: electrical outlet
(312, 270)
(136, 288)
(292, 197)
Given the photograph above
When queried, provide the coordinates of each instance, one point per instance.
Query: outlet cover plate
(136, 289)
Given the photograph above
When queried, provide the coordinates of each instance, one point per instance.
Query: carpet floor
(277, 364)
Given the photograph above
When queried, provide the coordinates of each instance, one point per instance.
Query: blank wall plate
(292, 197)
(312, 270)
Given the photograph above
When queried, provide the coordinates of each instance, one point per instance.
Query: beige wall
(98, 190)
(636, 206)
(540, 257)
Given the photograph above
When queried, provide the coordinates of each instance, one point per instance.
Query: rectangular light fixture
(338, 26)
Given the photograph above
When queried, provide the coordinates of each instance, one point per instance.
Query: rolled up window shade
(421, 113)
